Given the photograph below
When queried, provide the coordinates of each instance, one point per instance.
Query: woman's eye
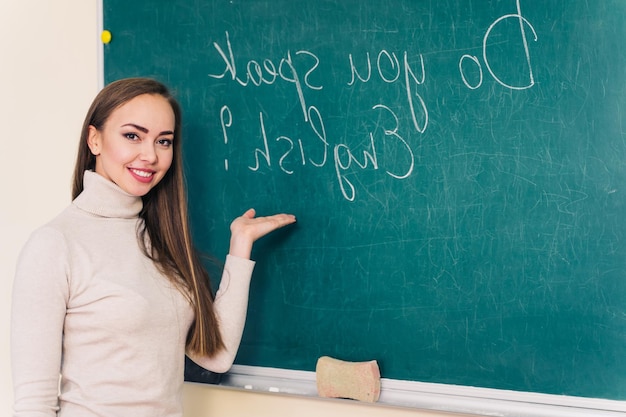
(131, 136)
(165, 142)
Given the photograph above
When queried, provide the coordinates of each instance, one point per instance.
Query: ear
(94, 139)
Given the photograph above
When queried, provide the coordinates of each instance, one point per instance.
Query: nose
(148, 152)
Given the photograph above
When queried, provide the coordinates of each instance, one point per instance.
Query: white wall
(48, 77)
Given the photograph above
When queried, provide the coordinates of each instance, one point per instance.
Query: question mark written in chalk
(225, 113)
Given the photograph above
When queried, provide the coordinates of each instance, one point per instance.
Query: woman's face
(135, 147)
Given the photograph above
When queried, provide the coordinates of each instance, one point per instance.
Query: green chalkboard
(458, 170)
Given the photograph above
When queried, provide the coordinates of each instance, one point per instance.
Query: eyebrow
(144, 130)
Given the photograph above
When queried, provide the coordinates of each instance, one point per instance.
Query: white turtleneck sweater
(89, 306)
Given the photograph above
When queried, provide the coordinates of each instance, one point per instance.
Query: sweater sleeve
(40, 293)
(231, 306)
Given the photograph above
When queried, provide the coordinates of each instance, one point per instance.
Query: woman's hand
(245, 230)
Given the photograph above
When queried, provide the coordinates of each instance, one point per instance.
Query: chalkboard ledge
(434, 397)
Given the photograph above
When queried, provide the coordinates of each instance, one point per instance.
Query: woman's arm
(231, 300)
(38, 308)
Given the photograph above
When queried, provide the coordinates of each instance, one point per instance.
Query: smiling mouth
(142, 174)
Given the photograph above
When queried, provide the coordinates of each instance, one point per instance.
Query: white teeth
(142, 173)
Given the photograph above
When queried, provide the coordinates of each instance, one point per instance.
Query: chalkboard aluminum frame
(434, 397)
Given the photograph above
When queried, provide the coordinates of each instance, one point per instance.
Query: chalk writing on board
(299, 69)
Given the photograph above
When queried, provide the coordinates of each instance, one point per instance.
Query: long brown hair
(170, 243)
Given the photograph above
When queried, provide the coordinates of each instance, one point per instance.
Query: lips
(141, 175)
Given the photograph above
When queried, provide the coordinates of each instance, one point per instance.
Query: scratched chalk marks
(456, 167)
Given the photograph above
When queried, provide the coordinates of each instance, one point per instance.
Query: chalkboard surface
(458, 170)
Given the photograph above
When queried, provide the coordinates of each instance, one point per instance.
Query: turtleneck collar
(104, 198)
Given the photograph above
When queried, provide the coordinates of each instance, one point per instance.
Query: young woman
(110, 295)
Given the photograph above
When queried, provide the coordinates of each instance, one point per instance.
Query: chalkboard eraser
(353, 380)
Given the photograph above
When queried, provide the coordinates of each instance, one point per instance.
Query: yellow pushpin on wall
(105, 36)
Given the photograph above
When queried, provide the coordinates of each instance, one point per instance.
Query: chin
(137, 191)
(140, 189)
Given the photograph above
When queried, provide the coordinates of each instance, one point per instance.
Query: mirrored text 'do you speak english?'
(393, 129)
